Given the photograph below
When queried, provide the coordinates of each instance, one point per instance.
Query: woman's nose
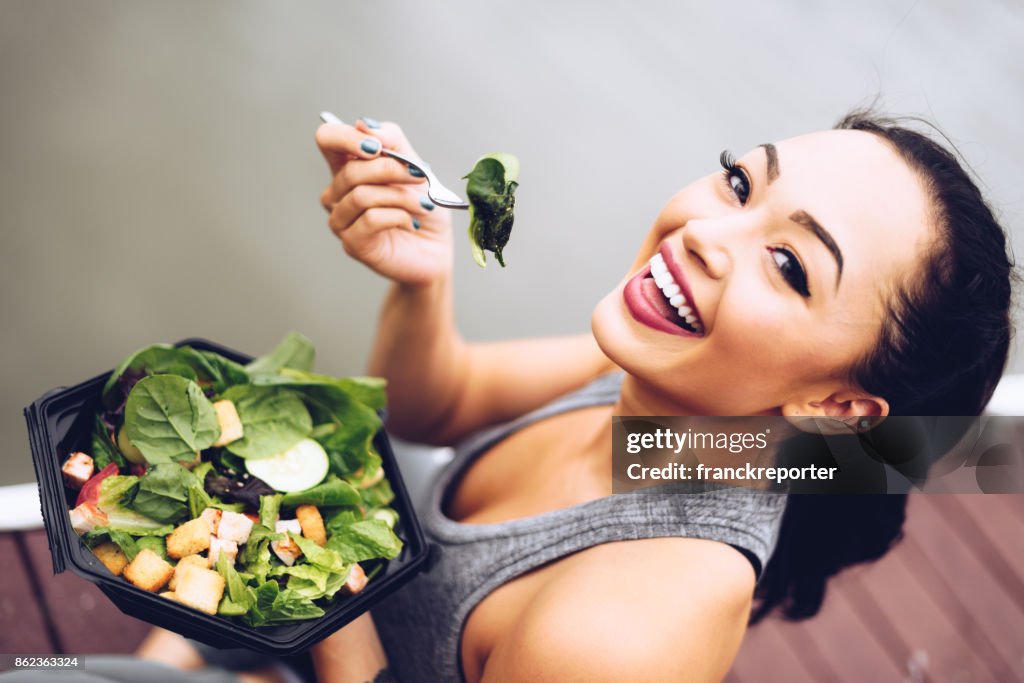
(709, 242)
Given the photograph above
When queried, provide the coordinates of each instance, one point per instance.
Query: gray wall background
(159, 178)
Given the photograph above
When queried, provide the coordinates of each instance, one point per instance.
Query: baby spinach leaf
(162, 494)
(273, 420)
(366, 390)
(365, 540)
(158, 359)
(295, 351)
(169, 419)
(491, 187)
(333, 491)
(226, 372)
(103, 450)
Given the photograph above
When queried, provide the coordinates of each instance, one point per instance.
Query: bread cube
(212, 517)
(286, 549)
(230, 423)
(195, 560)
(170, 595)
(356, 580)
(312, 524)
(199, 588)
(189, 539)
(87, 517)
(77, 469)
(234, 526)
(149, 571)
(112, 557)
(218, 547)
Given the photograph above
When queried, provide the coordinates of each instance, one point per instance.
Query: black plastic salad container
(59, 422)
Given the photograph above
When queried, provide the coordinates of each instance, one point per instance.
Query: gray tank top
(421, 624)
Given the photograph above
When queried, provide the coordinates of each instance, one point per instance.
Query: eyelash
(794, 274)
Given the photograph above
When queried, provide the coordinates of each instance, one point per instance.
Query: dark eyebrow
(805, 219)
(772, 161)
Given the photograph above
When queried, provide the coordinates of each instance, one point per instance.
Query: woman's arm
(439, 387)
(352, 655)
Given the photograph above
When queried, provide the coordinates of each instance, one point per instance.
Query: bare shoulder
(653, 609)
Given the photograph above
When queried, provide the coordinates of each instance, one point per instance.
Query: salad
(248, 491)
(491, 187)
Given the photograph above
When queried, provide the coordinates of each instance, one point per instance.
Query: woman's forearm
(422, 356)
(352, 655)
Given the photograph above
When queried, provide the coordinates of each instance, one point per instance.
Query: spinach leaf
(365, 540)
(169, 419)
(273, 420)
(333, 491)
(158, 544)
(366, 390)
(123, 540)
(491, 187)
(158, 359)
(113, 489)
(294, 351)
(103, 450)
(162, 494)
(226, 372)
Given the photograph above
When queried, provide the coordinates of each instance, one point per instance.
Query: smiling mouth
(661, 290)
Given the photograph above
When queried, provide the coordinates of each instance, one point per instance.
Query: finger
(379, 171)
(363, 237)
(366, 197)
(338, 142)
(389, 133)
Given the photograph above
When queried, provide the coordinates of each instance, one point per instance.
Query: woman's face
(786, 259)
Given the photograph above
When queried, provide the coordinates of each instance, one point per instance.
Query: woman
(852, 272)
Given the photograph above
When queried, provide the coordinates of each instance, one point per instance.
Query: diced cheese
(234, 526)
(87, 517)
(286, 549)
(77, 469)
(230, 423)
(219, 546)
(212, 517)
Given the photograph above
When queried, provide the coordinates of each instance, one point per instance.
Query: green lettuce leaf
(169, 419)
(365, 540)
(270, 507)
(273, 420)
(325, 558)
(491, 187)
(367, 390)
(103, 450)
(332, 491)
(158, 359)
(162, 494)
(226, 372)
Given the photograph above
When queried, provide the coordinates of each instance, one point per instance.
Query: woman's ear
(841, 412)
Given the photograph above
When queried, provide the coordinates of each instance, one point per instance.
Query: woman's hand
(378, 209)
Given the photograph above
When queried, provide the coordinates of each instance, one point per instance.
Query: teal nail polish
(371, 123)
(416, 173)
(426, 203)
(370, 146)
(415, 224)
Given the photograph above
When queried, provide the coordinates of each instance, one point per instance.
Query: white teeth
(690, 319)
(658, 257)
(658, 268)
(676, 300)
(684, 311)
(672, 290)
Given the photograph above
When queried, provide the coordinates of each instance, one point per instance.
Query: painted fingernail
(370, 146)
(426, 203)
(371, 122)
(415, 224)
(416, 173)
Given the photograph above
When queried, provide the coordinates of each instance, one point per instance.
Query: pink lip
(677, 275)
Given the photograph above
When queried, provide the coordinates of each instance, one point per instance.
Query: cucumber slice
(300, 467)
(386, 515)
(128, 449)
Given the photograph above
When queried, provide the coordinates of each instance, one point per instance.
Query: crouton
(356, 580)
(170, 595)
(234, 526)
(87, 517)
(200, 588)
(312, 524)
(230, 423)
(218, 547)
(189, 538)
(112, 557)
(77, 469)
(286, 549)
(212, 517)
(196, 560)
(149, 571)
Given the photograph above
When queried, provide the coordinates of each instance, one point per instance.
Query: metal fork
(438, 193)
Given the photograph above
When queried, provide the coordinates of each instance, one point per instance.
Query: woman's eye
(736, 179)
(791, 270)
